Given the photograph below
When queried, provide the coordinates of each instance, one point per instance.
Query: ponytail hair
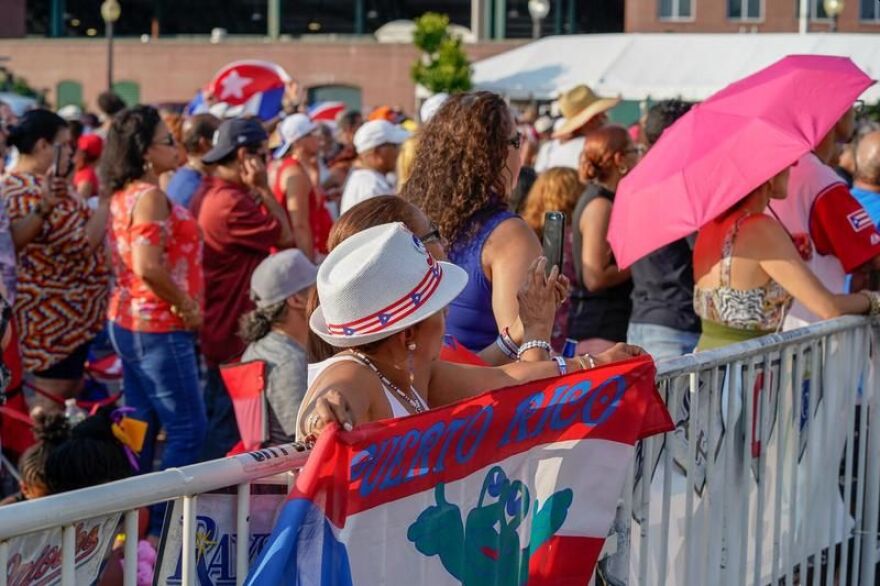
(51, 430)
(600, 146)
(32, 126)
(256, 325)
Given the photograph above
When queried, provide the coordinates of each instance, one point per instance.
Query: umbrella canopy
(727, 146)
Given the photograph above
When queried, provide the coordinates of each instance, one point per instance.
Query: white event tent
(658, 66)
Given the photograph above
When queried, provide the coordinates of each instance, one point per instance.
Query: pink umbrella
(727, 146)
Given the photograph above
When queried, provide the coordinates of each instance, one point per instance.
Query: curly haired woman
(467, 164)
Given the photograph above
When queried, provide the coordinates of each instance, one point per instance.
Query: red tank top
(319, 217)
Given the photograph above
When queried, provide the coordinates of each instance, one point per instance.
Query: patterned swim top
(762, 308)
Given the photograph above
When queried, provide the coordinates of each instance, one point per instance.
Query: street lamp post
(833, 8)
(538, 9)
(110, 11)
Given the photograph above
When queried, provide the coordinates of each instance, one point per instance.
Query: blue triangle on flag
(416, 297)
(384, 318)
(348, 331)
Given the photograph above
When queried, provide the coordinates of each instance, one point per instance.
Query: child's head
(50, 429)
(92, 455)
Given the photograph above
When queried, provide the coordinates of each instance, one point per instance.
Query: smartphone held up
(554, 239)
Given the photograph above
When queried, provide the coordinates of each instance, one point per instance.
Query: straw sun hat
(578, 106)
(379, 282)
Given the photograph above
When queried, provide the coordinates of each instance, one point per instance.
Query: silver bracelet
(534, 344)
(560, 362)
(502, 345)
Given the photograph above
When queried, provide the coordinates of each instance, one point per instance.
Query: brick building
(364, 73)
(730, 16)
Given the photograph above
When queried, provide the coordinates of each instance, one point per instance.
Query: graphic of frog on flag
(513, 487)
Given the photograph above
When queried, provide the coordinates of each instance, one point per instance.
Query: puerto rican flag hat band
(379, 282)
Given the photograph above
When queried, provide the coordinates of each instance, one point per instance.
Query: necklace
(417, 405)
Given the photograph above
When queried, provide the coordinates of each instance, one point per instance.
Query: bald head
(868, 159)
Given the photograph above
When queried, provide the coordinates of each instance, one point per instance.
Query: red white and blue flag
(244, 88)
(517, 486)
(326, 111)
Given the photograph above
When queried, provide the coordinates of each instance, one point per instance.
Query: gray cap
(281, 275)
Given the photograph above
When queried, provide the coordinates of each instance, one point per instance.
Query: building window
(869, 11)
(817, 9)
(744, 10)
(676, 9)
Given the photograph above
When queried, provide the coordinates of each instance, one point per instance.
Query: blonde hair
(556, 189)
(405, 161)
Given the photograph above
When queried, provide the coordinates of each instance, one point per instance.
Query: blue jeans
(661, 341)
(223, 428)
(160, 378)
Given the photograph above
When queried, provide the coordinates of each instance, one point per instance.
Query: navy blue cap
(233, 134)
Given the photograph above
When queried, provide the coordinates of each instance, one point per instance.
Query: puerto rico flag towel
(517, 486)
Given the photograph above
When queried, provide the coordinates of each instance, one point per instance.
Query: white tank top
(318, 368)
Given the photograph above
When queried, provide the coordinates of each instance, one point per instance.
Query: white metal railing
(695, 497)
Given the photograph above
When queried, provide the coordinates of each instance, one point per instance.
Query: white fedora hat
(379, 282)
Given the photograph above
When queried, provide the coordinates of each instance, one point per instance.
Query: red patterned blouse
(133, 305)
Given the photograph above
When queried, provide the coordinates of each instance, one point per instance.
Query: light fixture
(110, 10)
(75, 22)
(314, 26)
(833, 8)
(538, 9)
(91, 32)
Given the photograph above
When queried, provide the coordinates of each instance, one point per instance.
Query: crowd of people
(362, 263)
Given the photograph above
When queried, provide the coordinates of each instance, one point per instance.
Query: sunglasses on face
(516, 141)
(433, 235)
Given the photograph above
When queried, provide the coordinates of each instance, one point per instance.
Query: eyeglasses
(516, 141)
(433, 235)
(167, 141)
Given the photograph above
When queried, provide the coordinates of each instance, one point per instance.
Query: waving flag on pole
(246, 88)
(517, 486)
(326, 111)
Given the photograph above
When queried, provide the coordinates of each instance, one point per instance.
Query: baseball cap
(281, 275)
(292, 129)
(431, 105)
(90, 144)
(233, 134)
(376, 133)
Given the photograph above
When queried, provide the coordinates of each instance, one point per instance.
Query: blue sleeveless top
(471, 319)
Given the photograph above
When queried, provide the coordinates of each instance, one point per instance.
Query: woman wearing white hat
(383, 299)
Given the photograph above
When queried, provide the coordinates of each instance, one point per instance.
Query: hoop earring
(623, 170)
(410, 362)
(148, 166)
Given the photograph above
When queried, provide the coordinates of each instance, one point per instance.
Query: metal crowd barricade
(770, 475)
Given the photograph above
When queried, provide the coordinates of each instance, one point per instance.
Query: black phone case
(554, 237)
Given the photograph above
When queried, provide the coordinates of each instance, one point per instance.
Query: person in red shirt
(88, 151)
(241, 222)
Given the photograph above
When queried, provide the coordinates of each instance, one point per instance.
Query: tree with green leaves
(443, 66)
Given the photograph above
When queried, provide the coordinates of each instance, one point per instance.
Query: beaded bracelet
(534, 344)
(873, 301)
